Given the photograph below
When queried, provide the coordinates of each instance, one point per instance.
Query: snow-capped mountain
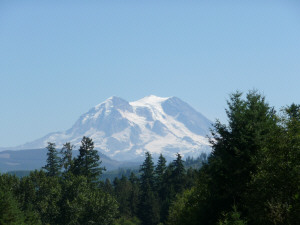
(125, 130)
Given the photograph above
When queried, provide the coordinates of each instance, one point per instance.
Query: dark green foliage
(53, 165)
(232, 218)
(100, 208)
(148, 207)
(174, 182)
(122, 192)
(179, 213)
(236, 148)
(66, 160)
(10, 213)
(134, 194)
(237, 151)
(44, 195)
(107, 187)
(178, 174)
(275, 188)
(126, 221)
(147, 173)
(88, 162)
(159, 172)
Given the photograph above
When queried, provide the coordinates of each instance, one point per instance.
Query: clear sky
(60, 58)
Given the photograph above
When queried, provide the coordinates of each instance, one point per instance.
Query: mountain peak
(113, 101)
(150, 100)
(125, 130)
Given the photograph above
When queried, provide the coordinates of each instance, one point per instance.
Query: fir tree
(53, 165)
(159, 172)
(148, 208)
(66, 152)
(88, 162)
(134, 195)
(178, 174)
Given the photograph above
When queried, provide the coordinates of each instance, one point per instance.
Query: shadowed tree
(88, 162)
(53, 165)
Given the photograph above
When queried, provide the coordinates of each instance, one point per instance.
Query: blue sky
(60, 58)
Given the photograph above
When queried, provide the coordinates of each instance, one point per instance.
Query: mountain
(124, 130)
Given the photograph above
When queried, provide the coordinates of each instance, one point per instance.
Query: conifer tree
(159, 172)
(224, 180)
(53, 165)
(10, 212)
(88, 162)
(148, 208)
(236, 148)
(178, 174)
(107, 187)
(147, 172)
(66, 152)
(134, 195)
(275, 188)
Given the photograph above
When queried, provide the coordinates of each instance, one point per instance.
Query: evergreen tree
(149, 207)
(44, 195)
(107, 187)
(174, 182)
(275, 188)
(147, 172)
(232, 218)
(88, 162)
(122, 193)
(159, 173)
(100, 209)
(53, 165)
(66, 152)
(224, 180)
(134, 195)
(178, 174)
(10, 212)
(236, 148)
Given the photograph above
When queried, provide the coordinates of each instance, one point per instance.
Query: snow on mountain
(125, 130)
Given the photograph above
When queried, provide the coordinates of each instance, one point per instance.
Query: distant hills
(32, 159)
(124, 130)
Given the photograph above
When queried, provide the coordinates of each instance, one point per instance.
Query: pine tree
(53, 165)
(88, 162)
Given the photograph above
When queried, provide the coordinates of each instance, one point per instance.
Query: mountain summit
(125, 130)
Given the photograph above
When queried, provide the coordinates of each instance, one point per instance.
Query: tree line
(68, 190)
(253, 173)
(251, 177)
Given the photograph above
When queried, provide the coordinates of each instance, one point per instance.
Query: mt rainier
(125, 130)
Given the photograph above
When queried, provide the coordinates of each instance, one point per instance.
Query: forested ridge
(251, 177)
